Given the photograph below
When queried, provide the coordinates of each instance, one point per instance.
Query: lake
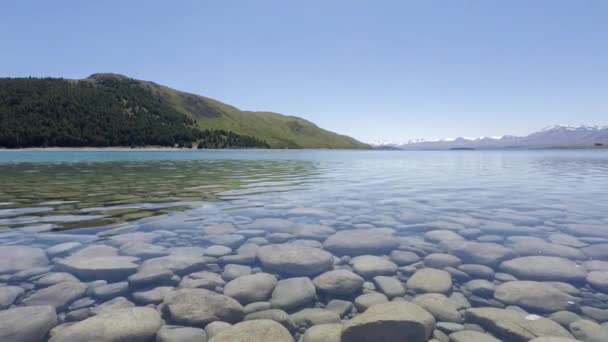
(304, 237)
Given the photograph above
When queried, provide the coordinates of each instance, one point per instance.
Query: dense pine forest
(105, 112)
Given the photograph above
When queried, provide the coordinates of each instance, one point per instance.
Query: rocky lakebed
(324, 259)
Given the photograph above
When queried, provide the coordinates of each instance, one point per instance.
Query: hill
(114, 110)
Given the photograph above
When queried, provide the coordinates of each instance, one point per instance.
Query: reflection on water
(416, 209)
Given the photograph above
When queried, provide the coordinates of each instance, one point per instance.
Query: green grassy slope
(279, 131)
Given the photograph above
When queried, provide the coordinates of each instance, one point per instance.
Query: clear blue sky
(370, 69)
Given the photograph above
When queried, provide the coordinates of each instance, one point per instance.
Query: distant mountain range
(558, 136)
(107, 110)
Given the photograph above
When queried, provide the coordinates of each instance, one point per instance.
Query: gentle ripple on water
(416, 210)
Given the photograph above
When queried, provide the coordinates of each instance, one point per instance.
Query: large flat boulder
(110, 268)
(362, 241)
(535, 296)
(394, 321)
(514, 326)
(295, 259)
(31, 323)
(490, 254)
(198, 307)
(260, 330)
(545, 268)
(129, 324)
(18, 258)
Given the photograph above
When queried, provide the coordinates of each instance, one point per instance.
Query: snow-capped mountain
(557, 136)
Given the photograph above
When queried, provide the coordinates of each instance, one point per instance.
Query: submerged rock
(18, 258)
(295, 259)
(430, 280)
(535, 296)
(369, 266)
(58, 296)
(339, 282)
(173, 333)
(394, 321)
(293, 293)
(439, 306)
(8, 295)
(323, 333)
(472, 336)
(490, 254)
(251, 288)
(262, 330)
(31, 324)
(110, 268)
(361, 241)
(514, 326)
(130, 324)
(544, 268)
(198, 307)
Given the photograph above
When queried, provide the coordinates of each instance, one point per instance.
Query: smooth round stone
(589, 331)
(279, 237)
(390, 286)
(233, 271)
(218, 251)
(489, 254)
(477, 271)
(136, 237)
(430, 280)
(111, 268)
(564, 317)
(439, 306)
(598, 251)
(173, 333)
(596, 265)
(323, 333)
(536, 296)
(472, 336)
(8, 295)
(314, 231)
(361, 241)
(553, 339)
(292, 293)
(480, 287)
(204, 279)
(534, 246)
(459, 300)
(449, 327)
(152, 296)
(514, 326)
(341, 307)
(314, 316)
(62, 249)
(276, 315)
(178, 264)
(215, 328)
(251, 288)
(442, 235)
(18, 258)
(598, 280)
(112, 305)
(544, 268)
(369, 266)
(393, 321)
(339, 282)
(364, 301)
(109, 291)
(54, 278)
(219, 229)
(130, 324)
(402, 258)
(151, 277)
(142, 250)
(441, 260)
(199, 307)
(31, 323)
(295, 259)
(58, 296)
(262, 330)
(257, 306)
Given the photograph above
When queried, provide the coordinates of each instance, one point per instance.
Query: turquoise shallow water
(147, 205)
